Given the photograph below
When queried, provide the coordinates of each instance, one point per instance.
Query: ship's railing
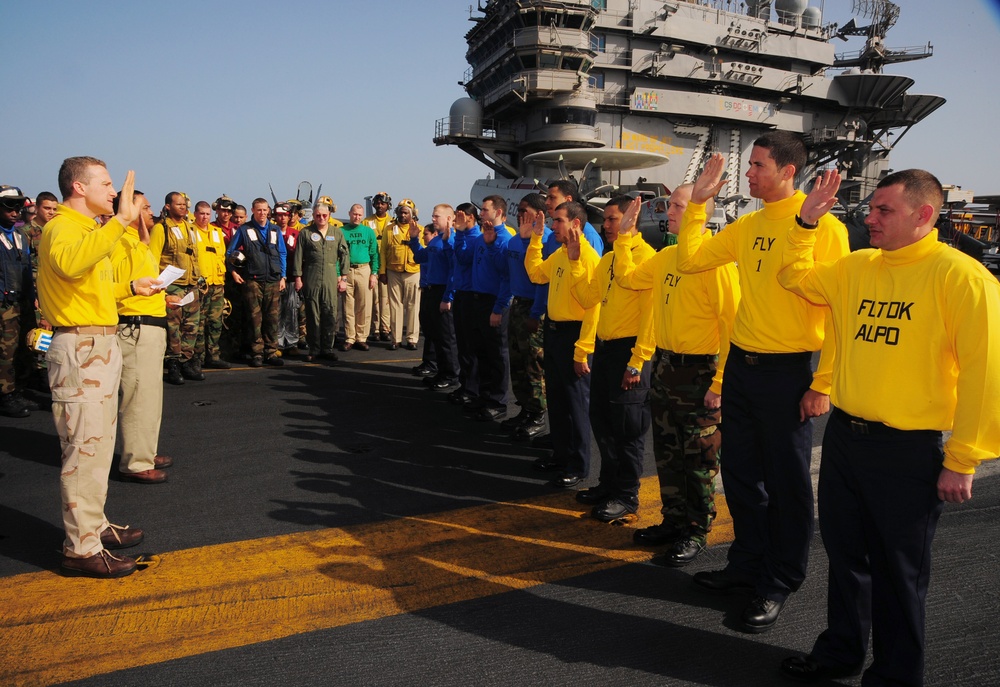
(472, 128)
(621, 57)
(912, 52)
(616, 98)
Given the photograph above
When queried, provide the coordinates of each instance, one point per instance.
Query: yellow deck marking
(55, 629)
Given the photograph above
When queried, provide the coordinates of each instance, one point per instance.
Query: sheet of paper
(189, 298)
(169, 275)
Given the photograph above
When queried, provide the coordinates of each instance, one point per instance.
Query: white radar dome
(465, 118)
(811, 17)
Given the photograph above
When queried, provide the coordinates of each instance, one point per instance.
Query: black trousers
(619, 418)
(442, 332)
(766, 453)
(878, 511)
(464, 331)
(429, 354)
(568, 399)
(489, 346)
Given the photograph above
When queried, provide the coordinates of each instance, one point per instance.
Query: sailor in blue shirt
(466, 229)
(490, 309)
(436, 302)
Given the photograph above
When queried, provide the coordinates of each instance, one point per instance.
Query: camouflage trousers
(213, 301)
(263, 303)
(527, 376)
(686, 441)
(10, 342)
(183, 325)
(84, 375)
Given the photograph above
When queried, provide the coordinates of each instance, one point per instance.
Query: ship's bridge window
(529, 61)
(572, 63)
(548, 61)
(571, 115)
(599, 4)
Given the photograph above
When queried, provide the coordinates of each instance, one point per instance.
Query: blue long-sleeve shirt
(518, 282)
(487, 275)
(439, 257)
(462, 278)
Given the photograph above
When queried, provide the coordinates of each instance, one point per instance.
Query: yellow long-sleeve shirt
(132, 259)
(395, 255)
(76, 285)
(769, 319)
(620, 309)
(211, 254)
(176, 243)
(378, 224)
(689, 313)
(918, 339)
(562, 305)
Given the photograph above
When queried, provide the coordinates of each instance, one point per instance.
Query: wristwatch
(632, 371)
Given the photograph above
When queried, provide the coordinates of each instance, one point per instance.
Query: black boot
(12, 406)
(196, 364)
(174, 375)
(188, 371)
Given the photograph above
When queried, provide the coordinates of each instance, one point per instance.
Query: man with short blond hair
(78, 295)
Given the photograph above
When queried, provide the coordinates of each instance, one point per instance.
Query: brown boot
(103, 565)
(120, 537)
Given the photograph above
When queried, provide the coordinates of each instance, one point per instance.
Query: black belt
(557, 325)
(859, 425)
(354, 266)
(524, 299)
(760, 359)
(479, 296)
(678, 359)
(142, 320)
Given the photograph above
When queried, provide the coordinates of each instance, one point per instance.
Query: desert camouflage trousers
(183, 325)
(686, 442)
(140, 407)
(84, 374)
(527, 376)
(213, 302)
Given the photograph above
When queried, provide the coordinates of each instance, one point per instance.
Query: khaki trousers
(141, 407)
(84, 375)
(404, 305)
(380, 309)
(357, 304)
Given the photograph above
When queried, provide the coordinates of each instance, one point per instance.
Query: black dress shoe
(393, 347)
(410, 346)
(657, 535)
(809, 669)
(722, 582)
(565, 481)
(761, 614)
(546, 464)
(443, 384)
(613, 509)
(682, 552)
(491, 413)
(592, 496)
(459, 397)
(274, 361)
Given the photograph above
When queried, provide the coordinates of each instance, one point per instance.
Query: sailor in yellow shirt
(142, 337)
(77, 295)
(770, 393)
(619, 379)
(212, 263)
(175, 240)
(381, 202)
(401, 275)
(918, 328)
(569, 340)
(689, 326)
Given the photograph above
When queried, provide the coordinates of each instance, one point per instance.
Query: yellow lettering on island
(650, 144)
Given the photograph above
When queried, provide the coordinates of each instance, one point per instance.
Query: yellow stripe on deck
(192, 602)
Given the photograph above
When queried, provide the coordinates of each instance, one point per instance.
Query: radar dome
(788, 11)
(811, 17)
(465, 118)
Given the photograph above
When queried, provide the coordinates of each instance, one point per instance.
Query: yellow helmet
(328, 201)
(407, 203)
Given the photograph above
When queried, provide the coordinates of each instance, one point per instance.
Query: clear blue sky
(216, 97)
